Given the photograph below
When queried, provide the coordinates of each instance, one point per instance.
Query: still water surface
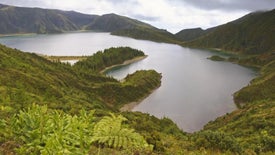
(194, 89)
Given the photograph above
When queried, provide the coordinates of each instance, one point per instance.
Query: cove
(194, 90)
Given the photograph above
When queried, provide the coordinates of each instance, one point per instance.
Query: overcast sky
(173, 15)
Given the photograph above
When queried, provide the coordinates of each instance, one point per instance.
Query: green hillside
(20, 20)
(251, 34)
(190, 34)
(27, 78)
(113, 22)
(35, 20)
(51, 96)
(148, 34)
(49, 107)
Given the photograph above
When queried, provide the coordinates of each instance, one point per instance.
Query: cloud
(232, 5)
(173, 15)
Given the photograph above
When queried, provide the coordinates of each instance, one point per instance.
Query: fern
(110, 132)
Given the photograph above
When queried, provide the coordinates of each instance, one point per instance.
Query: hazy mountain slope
(190, 34)
(36, 20)
(251, 34)
(113, 22)
(157, 35)
(124, 26)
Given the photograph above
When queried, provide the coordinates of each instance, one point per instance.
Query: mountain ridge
(250, 34)
(19, 20)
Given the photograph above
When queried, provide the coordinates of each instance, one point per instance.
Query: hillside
(36, 20)
(251, 34)
(20, 20)
(190, 34)
(54, 108)
(148, 34)
(27, 78)
(113, 22)
(254, 122)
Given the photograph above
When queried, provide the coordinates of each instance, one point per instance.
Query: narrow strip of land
(127, 62)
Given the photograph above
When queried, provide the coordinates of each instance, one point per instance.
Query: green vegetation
(113, 22)
(261, 88)
(63, 58)
(250, 129)
(107, 58)
(39, 130)
(27, 78)
(49, 107)
(35, 20)
(191, 34)
(152, 34)
(19, 20)
(216, 58)
(243, 35)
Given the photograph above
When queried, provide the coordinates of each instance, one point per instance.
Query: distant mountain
(16, 20)
(113, 22)
(153, 34)
(190, 34)
(251, 34)
(36, 20)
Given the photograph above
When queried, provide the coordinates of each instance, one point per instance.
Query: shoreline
(17, 34)
(130, 106)
(127, 62)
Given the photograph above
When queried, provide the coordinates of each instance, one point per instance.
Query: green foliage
(27, 78)
(253, 125)
(157, 131)
(243, 35)
(260, 88)
(39, 130)
(152, 34)
(41, 21)
(113, 22)
(216, 141)
(133, 88)
(216, 58)
(191, 34)
(110, 132)
(107, 58)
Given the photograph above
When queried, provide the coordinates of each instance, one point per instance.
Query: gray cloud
(145, 18)
(25, 3)
(232, 5)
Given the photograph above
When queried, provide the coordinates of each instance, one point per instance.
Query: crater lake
(194, 89)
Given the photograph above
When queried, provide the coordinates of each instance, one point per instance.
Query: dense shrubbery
(147, 34)
(216, 58)
(261, 88)
(134, 87)
(243, 35)
(39, 130)
(108, 57)
(28, 78)
(216, 140)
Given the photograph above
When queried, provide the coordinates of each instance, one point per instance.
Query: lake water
(194, 89)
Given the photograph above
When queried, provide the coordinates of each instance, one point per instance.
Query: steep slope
(251, 34)
(113, 22)
(36, 20)
(190, 34)
(157, 35)
(16, 20)
(27, 78)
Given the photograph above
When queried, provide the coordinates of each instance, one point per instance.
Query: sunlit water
(194, 90)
